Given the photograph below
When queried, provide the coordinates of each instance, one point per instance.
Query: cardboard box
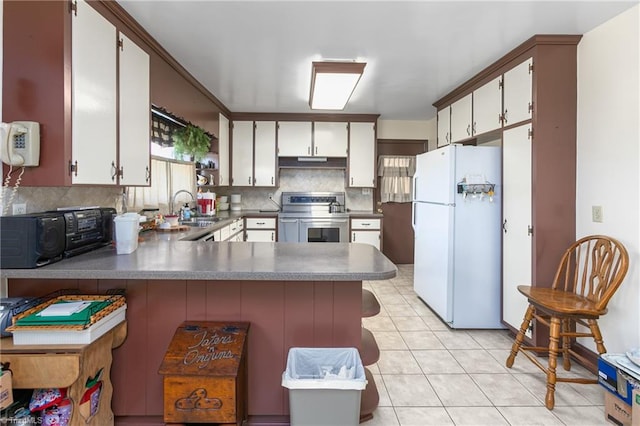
(6, 390)
(616, 411)
(612, 378)
(635, 408)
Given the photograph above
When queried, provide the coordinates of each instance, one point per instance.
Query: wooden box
(205, 373)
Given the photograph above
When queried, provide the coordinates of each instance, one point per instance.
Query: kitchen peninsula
(292, 294)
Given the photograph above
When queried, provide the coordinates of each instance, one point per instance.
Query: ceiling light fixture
(332, 83)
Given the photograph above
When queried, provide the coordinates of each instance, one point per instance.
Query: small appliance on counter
(236, 202)
(37, 239)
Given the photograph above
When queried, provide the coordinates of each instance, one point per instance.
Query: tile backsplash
(42, 198)
(326, 180)
(295, 180)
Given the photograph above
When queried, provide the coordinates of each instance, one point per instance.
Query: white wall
(408, 129)
(608, 158)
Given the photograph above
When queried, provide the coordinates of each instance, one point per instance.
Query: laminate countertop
(200, 260)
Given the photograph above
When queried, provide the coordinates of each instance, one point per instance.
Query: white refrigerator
(457, 225)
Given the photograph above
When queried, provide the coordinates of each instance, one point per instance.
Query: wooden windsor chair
(589, 273)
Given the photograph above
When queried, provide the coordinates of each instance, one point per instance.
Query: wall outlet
(596, 213)
(20, 208)
(270, 195)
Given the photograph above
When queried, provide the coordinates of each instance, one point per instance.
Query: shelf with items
(206, 177)
(476, 187)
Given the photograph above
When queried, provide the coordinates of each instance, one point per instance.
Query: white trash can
(325, 386)
(127, 226)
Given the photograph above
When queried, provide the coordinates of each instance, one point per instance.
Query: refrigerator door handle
(504, 226)
(415, 186)
(413, 216)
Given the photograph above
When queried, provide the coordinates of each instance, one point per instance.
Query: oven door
(325, 230)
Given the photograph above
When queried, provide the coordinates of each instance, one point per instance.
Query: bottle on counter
(186, 212)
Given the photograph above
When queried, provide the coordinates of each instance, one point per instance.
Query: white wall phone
(20, 143)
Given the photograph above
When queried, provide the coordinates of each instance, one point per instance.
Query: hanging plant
(191, 140)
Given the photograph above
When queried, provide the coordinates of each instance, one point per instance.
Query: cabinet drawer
(225, 233)
(365, 223)
(261, 223)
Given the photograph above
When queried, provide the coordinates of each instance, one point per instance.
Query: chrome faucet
(173, 200)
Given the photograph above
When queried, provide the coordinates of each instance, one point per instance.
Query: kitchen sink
(201, 222)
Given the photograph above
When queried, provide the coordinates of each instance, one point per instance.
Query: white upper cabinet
(294, 139)
(265, 153)
(135, 114)
(254, 153)
(223, 152)
(99, 79)
(461, 119)
(330, 139)
(444, 126)
(362, 155)
(94, 120)
(242, 153)
(518, 90)
(487, 107)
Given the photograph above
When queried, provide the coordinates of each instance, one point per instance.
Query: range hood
(313, 159)
(312, 162)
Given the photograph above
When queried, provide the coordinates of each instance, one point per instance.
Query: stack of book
(68, 319)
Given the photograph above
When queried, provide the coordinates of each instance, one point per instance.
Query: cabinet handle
(529, 230)
(114, 171)
(316, 150)
(351, 181)
(469, 130)
(271, 180)
(148, 175)
(530, 107)
(473, 128)
(249, 180)
(446, 137)
(272, 236)
(354, 237)
(504, 226)
(260, 223)
(121, 172)
(499, 118)
(505, 116)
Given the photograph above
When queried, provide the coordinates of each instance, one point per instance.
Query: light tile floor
(429, 374)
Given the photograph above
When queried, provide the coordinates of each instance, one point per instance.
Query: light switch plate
(596, 213)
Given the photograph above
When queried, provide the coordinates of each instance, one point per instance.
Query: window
(396, 173)
(167, 177)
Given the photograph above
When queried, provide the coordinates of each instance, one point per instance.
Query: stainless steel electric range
(314, 217)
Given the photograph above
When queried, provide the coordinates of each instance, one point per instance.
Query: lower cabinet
(232, 232)
(366, 231)
(260, 229)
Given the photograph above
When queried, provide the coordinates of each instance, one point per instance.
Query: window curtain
(167, 177)
(396, 173)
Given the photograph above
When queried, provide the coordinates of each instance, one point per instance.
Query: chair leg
(554, 333)
(597, 336)
(520, 337)
(566, 344)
